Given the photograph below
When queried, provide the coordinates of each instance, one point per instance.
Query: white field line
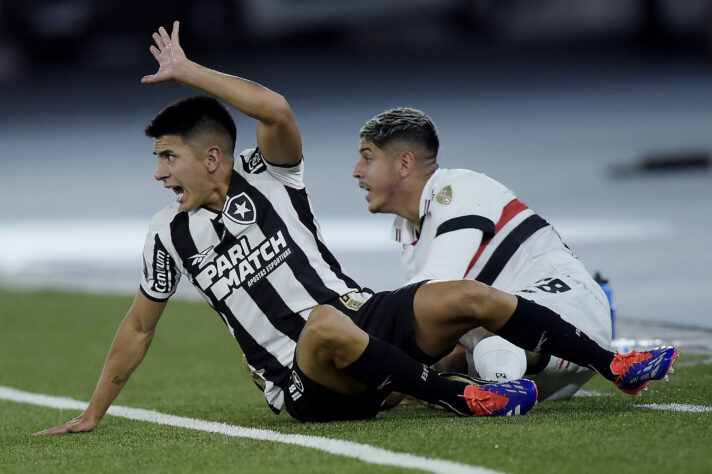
(677, 407)
(362, 452)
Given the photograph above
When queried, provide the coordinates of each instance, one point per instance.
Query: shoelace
(622, 363)
(480, 402)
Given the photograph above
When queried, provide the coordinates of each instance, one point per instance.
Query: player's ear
(214, 158)
(406, 163)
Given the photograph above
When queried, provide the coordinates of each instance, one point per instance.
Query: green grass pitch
(55, 343)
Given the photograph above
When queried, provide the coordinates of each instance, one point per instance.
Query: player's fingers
(164, 36)
(159, 41)
(155, 52)
(52, 431)
(174, 33)
(148, 79)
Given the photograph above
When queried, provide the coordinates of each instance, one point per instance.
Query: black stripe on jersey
(183, 241)
(271, 303)
(218, 226)
(256, 355)
(260, 358)
(508, 246)
(300, 202)
(270, 223)
(467, 222)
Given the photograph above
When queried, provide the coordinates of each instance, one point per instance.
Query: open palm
(168, 53)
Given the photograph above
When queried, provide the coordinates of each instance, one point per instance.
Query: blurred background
(598, 114)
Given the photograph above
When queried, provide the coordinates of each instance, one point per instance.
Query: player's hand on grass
(77, 425)
(168, 53)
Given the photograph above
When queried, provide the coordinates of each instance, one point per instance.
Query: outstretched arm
(277, 134)
(128, 349)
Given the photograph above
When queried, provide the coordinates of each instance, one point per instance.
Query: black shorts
(386, 315)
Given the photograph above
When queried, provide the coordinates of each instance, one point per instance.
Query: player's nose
(161, 171)
(357, 172)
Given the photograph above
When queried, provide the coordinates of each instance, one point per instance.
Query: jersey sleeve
(160, 273)
(254, 163)
(462, 213)
(448, 256)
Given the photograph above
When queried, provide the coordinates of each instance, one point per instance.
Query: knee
(324, 326)
(473, 298)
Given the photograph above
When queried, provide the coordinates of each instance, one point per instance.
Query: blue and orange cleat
(502, 399)
(636, 370)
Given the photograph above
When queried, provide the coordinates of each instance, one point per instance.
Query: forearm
(126, 353)
(246, 96)
(449, 256)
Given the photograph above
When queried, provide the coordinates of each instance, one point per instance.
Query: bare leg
(445, 310)
(336, 354)
(329, 342)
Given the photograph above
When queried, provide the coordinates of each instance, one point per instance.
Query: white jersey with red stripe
(472, 226)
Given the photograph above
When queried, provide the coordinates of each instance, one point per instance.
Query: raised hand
(77, 425)
(168, 53)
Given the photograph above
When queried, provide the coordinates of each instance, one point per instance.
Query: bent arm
(277, 134)
(450, 255)
(130, 345)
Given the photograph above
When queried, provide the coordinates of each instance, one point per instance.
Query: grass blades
(55, 343)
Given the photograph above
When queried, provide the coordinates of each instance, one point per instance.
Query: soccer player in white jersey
(456, 223)
(243, 232)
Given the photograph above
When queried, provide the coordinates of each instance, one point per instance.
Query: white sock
(498, 360)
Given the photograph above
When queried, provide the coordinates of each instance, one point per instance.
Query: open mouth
(366, 188)
(179, 193)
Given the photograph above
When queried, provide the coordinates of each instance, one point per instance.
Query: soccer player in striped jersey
(242, 231)
(456, 223)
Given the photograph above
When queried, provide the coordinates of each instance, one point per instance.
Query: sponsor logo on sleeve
(163, 271)
(444, 196)
(253, 164)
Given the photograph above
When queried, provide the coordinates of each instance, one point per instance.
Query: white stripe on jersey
(299, 298)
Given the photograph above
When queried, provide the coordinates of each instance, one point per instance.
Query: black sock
(536, 328)
(539, 365)
(385, 367)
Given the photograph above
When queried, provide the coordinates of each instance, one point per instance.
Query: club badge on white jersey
(241, 209)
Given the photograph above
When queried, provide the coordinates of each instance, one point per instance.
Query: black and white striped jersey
(261, 263)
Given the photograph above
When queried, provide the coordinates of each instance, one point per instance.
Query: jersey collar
(402, 230)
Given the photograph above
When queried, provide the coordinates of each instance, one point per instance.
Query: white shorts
(579, 300)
